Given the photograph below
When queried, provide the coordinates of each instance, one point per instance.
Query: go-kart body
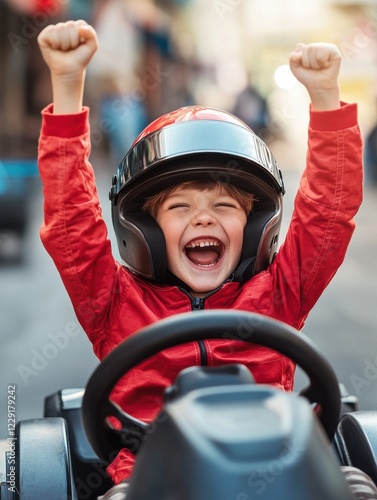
(218, 436)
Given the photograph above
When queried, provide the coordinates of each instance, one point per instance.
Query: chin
(203, 281)
(205, 288)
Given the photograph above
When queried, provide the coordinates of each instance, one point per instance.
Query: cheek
(236, 228)
(171, 229)
(172, 236)
(236, 237)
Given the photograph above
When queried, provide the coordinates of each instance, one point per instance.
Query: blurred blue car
(16, 181)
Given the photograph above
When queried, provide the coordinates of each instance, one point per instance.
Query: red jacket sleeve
(73, 231)
(322, 223)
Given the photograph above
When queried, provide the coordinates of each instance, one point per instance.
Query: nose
(203, 218)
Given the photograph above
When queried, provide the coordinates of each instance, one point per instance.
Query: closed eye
(228, 205)
(178, 205)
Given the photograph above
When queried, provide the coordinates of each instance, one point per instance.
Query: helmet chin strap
(172, 279)
(245, 270)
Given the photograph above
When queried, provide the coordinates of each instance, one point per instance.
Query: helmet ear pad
(141, 244)
(260, 243)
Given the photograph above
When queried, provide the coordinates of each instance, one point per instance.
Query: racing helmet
(195, 143)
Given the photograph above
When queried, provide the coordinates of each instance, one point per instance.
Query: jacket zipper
(197, 304)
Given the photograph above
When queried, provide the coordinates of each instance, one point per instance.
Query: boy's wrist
(67, 93)
(325, 100)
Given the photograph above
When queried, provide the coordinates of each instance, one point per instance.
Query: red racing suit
(111, 303)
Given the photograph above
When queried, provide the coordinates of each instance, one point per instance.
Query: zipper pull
(197, 303)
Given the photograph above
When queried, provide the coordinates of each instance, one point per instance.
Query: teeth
(203, 243)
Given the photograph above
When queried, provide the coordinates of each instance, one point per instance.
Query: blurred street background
(155, 56)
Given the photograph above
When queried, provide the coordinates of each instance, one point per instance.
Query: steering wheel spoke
(311, 393)
(125, 429)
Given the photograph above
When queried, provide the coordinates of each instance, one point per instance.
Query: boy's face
(204, 235)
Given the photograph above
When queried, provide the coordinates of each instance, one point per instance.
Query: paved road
(43, 348)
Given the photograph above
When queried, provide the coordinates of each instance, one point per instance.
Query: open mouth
(204, 252)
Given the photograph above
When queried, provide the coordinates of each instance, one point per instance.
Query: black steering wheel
(323, 388)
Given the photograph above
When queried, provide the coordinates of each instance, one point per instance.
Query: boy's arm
(317, 67)
(330, 191)
(73, 230)
(67, 49)
(322, 223)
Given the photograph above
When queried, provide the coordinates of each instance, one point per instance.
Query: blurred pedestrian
(252, 107)
(123, 80)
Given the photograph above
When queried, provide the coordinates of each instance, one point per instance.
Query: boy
(188, 240)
